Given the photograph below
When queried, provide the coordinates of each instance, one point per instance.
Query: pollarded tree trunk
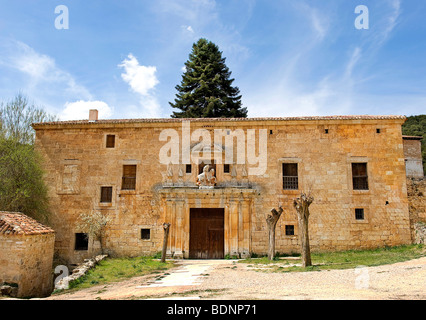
(301, 205)
(166, 227)
(272, 220)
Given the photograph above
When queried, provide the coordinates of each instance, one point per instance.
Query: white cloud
(79, 110)
(41, 69)
(142, 80)
(188, 28)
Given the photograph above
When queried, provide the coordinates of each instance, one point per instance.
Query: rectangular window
(110, 141)
(226, 168)
(359, 176)
(188, 168)
(289, 230)
(145, 234)
(81, 242)
(359, 214)
(106, 194)
(290, 178)
(129, 177)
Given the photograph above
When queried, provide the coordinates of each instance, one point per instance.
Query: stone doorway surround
(238, 207)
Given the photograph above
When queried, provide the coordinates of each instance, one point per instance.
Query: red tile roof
(177, 120)
(18, 223)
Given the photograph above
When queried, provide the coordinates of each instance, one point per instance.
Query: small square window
(81, 242)
(289, 230)
(359, 214)
(145, 234)
(271, 132)
(106, 194)
(188, 168)
(110, 141)
(226, 168)
(326, 131)
(377, 130)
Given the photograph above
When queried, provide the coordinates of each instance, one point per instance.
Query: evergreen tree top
(206, 89)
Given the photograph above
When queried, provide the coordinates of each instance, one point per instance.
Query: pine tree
(206, 89)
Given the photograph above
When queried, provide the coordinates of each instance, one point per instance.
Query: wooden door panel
(206, 239)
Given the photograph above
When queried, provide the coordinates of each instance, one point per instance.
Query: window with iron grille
(110, 141)
(290, 177)
(359, 176)
(129, 177)
(106, 194)
(289, 230)
(359, 214)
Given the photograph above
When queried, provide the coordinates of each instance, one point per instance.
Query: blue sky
(289, 58)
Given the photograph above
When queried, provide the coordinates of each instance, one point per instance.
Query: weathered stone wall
(78, 164)
(26, 260)
(417, 207)
(413, 158)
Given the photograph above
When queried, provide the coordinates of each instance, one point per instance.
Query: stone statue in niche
(206, 179)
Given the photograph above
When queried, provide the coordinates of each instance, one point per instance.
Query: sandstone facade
(26, 255)
(88, 170)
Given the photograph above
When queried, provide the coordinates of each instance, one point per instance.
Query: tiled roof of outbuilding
(18, 223)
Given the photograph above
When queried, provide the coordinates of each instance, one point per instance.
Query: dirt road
(228, 279)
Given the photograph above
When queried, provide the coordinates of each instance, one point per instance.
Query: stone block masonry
(365, 207)
(26, 255)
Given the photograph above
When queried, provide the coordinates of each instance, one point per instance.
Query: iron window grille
(290, 176)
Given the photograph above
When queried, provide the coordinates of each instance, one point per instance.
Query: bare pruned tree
(272, 220)
(166, 227)
(301, 204)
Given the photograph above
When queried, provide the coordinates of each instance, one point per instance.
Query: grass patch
(116, 269)
(345, 259)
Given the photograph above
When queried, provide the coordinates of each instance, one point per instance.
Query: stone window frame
(359, 159)
(126, 162)
(102, 205)
(116, 140)
(366, 213)
(290, 225)
(296, 160)
(59, 185)
(150, 233)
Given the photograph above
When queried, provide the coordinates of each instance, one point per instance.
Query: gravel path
(227, 279)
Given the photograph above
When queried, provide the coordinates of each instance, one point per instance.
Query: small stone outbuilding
(26, 255)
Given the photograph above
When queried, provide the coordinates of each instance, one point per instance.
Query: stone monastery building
(215, 180)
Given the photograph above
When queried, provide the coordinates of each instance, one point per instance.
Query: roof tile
(18, 223)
